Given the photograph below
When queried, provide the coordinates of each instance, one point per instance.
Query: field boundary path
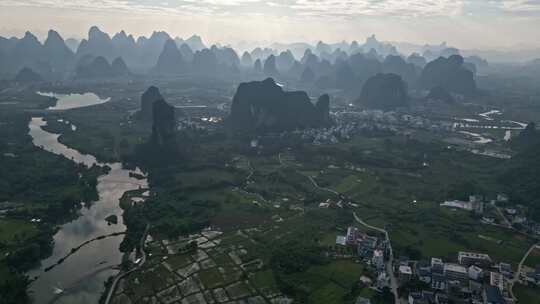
(389, 264)
(121, 275)
(518, 271)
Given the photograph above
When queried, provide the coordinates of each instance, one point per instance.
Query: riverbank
(91, 224)
(38, 192)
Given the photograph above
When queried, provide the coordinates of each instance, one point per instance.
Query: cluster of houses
(475, 203)
(383, 120)
(533, 276)
(513, 214)
(370, 248)
(331, 135)
(472, 278)
(348, 123)
(475, 278)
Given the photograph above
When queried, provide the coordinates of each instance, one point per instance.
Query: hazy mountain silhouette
(119, 67)
(384, 92)
(307, 76)
(205, 62)
(148, 98)
(195, 43)
(26, 52)
(90, 67)
(246, 60)
(270, 68)
(126, 47)
(170, 61)
(97, 44)
(26, 75)
(417, 60)
(72, 44)
(364, 67)
(151, 48)
(264, 106)
(187, 52)
(57, 53)
(226, 56)
(450, 74)
(396, 65)
(284, 61)
(163, 124)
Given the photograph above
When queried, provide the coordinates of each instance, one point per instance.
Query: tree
(13, 289)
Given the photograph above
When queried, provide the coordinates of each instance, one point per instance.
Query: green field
(533, 259)
(527, 294)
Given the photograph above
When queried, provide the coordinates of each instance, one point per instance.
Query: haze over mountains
(343, 66)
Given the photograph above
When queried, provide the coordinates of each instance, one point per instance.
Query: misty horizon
(269, 152)
(404, 48)
(508, 24)
(245, 45)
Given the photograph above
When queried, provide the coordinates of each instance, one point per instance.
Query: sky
(467, 24)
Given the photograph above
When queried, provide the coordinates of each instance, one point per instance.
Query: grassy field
(386, 178)
(527, 294)
(15, 230)
(329, 283)
(533, 259)
(209, 186)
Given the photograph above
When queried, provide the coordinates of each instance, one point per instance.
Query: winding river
(80, 278)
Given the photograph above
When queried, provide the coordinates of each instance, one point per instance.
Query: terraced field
(220, 270)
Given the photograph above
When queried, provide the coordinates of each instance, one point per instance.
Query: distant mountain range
(56, 56)
(344, 66)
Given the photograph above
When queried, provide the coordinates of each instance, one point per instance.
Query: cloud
(521, 6)
(397, 8)
(184, 7)
(295, 8)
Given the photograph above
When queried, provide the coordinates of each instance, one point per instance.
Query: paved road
(501, 214)
(280, 160)
(321, 188)
(121, 275)
(251, 171)
(389, 264)
(518, 271)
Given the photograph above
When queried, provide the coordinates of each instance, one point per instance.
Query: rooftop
(405, 270)
(475, 268)
(464, 254)
(454, 268)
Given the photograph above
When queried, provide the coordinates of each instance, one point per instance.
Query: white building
(475, 273)
(496, 279)
(405, 273)
(502, 197)
(455, 272)
(458, 204)
(378, 259)
(473, 258)
(437, 266)
(352, 235)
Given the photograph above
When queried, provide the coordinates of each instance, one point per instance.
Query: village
(468, 277)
